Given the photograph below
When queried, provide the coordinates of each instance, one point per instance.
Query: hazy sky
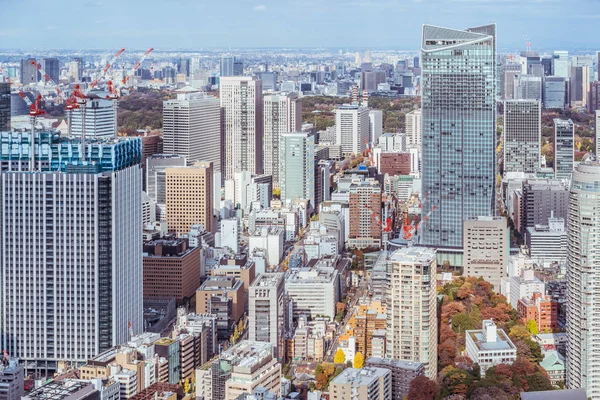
(192, 24)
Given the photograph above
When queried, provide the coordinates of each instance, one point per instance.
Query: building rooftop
(57, 390)
(407, 365)
(360, 377)
(490, 338)
(413, 254)
(268, 279)
(317, 274)
(247, 354)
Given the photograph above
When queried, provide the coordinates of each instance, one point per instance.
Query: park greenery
(142, 109)
(467, 301)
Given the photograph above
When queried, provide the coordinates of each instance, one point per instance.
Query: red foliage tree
(422, 388)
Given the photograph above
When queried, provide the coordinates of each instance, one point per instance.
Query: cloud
(51, 28)
(260, 7)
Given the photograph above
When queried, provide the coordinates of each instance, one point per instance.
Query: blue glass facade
(459, 130)
(55, 153)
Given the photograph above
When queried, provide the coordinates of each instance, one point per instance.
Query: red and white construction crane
(137, 65)
(106, 69)
(34, 112)
(47, 78)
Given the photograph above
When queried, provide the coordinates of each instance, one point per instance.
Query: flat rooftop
(360, 377)
(413, 254)
(247, 353)
(502, 342)
(268, 280)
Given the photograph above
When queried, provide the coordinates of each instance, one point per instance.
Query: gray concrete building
(522, 135)
(542, 198)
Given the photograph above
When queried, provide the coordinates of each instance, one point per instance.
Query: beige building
(413, 127)
(189, 197)
(486, 249)
(240, 369)
(412, 307)
(369, 383)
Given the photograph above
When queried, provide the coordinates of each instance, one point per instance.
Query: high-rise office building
(546, 63)
(522, 135)
(583, 320)
(510, 72)
(459, 129)
(70, 248)
(579, 85)
(560, 64)
(541, 199)
(564, 148)
(528, 87)
(242, 104)
(79, 69)
(414, 127)
(183, 66)
(555, 92)
(192, 128)
(297, 173)
(156, 181)
(375, 125)
(4, 106)
(352, 128)
(238, 68)
(486, 249)
(226, 65)
(411, 307)
(594, 97)
(597, 133)
(282, 114)
(267, 308)
(189, 196)
(52, 68)
(100, 119)
(29, 74)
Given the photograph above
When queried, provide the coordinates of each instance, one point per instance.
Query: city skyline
(251, 23)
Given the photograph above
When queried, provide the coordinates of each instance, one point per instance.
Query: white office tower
(282, 114)
(414, 127)
(412, 307)
(156, 180)
(242, 104)
(267, 310)
(297, 174)
(522, 135)
(560, 64)
(352, 129)
(583, 275)
(192, 127)
(100, 119)
(70, 249)
(375, 125)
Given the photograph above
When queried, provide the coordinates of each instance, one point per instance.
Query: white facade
(266, 309)
(524, 286)
(489, 346)
(313, 291)
(414, 127)
(230, 234)
(242, 104)
(375, 125)
(100, 119)
(71, 264)
(560, 63)
(352, 128)
(282, 114)
(548, 243)
(271, 240)
(412, 307)
(192, 128)
(583, 296)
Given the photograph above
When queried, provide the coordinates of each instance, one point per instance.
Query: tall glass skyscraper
(458, 84)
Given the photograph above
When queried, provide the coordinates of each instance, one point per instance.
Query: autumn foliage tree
(359, 360)
(423, 388)
(340, 357)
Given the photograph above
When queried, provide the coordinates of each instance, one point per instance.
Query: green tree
(532, 327)
(340, 357)
(359, 360)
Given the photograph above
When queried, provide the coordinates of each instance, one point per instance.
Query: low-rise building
(64, 390)
(489, 346)
(548, 243)
(11, 379)
(403, 372)
(240, 369)
(218, 292)
(554, 364)
(314, 291)
(524, 285)
(368, 383)
(541, 309)
(269, 239)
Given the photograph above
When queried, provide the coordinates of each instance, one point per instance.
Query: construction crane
(136, 67)
(34, 112)
(47, 78)
(105, 69)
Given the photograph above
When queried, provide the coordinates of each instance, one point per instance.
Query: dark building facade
(4, 106)
(541, 199)
(52, 68)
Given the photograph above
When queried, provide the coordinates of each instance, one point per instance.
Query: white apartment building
(524, 286)
(192, 127)
(313, 290)
(270, 240)
(267, 309)
(489, 346)
(242, 103)
(583, 297)
(352, 128)
(414, 127)
(412, 307)
(375, 125)
(368, 383)
(282, 114)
